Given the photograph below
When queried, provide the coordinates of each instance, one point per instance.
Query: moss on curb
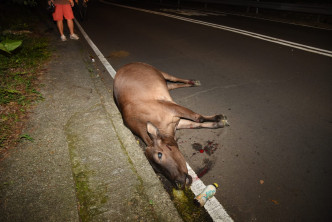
(90, 201)
(184, 203)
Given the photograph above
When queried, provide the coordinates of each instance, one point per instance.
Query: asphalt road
(274, 162)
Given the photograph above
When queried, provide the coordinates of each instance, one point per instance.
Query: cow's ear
(153, 131)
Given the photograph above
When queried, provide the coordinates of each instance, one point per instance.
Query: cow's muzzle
(186, 182)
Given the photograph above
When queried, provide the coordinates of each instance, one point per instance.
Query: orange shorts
(63, 11)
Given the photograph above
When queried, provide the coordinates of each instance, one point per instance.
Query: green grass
(19, 71)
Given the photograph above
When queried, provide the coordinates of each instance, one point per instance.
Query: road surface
(274, 162)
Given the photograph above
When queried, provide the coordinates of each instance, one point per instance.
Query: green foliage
(18, 85)
(27, 137)
(9, 45)
(17, 70)
(23, 51)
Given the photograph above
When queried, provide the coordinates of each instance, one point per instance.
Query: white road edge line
(213, 207)
(239, 31)
(101, 57)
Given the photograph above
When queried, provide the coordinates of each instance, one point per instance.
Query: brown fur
(142, 95)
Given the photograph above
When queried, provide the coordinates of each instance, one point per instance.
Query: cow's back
(137, 83)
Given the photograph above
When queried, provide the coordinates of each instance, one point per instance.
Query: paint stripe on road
(101, 57)
(238, 31)
(213, 207)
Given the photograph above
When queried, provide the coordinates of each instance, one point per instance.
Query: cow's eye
(160, 155)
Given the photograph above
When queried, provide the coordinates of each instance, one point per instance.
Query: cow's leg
(180, 82)
(185, 113)
(171, 86)
(188, 124)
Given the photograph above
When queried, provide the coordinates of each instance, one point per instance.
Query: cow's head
(164, 156)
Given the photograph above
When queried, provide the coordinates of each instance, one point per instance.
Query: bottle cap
(216, 185)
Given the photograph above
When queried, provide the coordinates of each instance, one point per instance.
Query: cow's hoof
(195, 82)
(223, 121)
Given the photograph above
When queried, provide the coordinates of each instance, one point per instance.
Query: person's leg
(68, 14)
(70, 26)
(60, 26)
(58, 17)
(71, 29)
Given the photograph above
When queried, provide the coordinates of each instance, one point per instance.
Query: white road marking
(280, 21)
(239, 31)
(212, 206)
(101, 57)
(188, 12)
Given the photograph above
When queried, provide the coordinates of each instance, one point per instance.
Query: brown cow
(142, 96)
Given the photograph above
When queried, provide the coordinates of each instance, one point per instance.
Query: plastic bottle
(206, 194)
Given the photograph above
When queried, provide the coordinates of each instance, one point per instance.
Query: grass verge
(20, 72)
